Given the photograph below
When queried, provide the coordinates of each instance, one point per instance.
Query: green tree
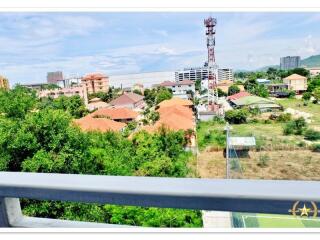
(233, 89)
(163, 94)
(316, 94)
(198, 85)
(236, 116)
(250, 84)
(221, 93)
(306, 96)
(297, 127)
(73, 105)
(17, 102)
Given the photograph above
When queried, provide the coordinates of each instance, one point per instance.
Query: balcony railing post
(10, 211)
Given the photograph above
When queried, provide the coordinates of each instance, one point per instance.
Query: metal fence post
(10, 211)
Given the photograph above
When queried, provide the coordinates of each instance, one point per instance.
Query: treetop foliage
(39, 136)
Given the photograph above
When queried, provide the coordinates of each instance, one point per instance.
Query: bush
(288, 129)
(297, 127)
(237, 116)
(315, 147)
(312, 135)
(233, 89)
(306, 96)
(263, 160)
(284, 117)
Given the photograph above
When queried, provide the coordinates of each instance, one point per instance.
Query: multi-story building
(290, 62)
(296, 83)
(95, 82)
(225, 74)
(54, 77)
(192, 74)
(146, 78)
(201, 73)
(180, 88)
(68, 92)
(4, 83)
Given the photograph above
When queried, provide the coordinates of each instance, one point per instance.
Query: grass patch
(210, 133)
(298, 105)
(249, 220)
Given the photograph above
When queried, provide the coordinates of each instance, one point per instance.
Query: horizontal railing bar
(33, 222)
(270, 196)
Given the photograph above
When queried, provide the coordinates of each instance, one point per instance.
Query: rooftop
(295, 77)
(175, 101)
(94, 76)
(238, 95)
(115, 113)
(88, 123)
(179, 83)
(127, 98)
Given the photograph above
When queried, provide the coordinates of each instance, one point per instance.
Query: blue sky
(31, 44)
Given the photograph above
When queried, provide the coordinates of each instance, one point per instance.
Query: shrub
(315, 147)
(237, 116)
(284, 117)
(306, 96)
(233, 89)
(301, 144)
(297, 127)
(263, 160)
(267, 121)
(312, 135)
(288, 129)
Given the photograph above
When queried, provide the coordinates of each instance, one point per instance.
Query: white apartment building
(147, 79)
(201, 73)
(193, 74)
(180, 88)
(225, 74)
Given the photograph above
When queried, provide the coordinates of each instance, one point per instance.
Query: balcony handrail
(239, 195)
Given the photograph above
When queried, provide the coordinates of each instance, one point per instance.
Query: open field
(297, 104)
(249, 220)
(268, 135)
(298, 165)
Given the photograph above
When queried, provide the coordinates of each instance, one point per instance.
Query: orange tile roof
(175, 122)
(116, 113)
(98, 124)
(175, 101)
(174, 118)
(176, 109)
(94, 76)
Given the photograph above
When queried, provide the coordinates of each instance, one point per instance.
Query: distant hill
(313, 61)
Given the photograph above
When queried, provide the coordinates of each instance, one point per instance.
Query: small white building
(314, 71)
(180, 88)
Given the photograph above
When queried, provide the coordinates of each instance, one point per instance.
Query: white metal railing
(257, 196)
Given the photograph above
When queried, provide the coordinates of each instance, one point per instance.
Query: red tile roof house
(89, 123)
(124, 115)
(129, 100)
(238, 95)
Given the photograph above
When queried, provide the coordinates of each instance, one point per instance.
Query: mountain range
(312, 61)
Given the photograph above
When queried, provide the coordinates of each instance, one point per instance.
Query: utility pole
(227, 129)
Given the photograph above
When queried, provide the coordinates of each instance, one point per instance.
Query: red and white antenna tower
(210, 24)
